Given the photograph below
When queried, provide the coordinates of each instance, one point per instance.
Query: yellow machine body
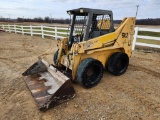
(100, 48)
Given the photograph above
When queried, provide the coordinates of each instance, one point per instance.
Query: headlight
(81, 10)
(69, 12)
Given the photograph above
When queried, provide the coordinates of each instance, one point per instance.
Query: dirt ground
(132, 96)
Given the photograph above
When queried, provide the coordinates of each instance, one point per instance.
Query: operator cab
(89, 23)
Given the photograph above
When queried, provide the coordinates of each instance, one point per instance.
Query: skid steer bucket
(48, 86)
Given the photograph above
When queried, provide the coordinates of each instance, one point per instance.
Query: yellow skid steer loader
(92, 45)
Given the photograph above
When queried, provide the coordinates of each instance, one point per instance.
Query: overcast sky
(57, 8)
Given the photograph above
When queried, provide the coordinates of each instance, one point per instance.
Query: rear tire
(118, 63)
(89, 72)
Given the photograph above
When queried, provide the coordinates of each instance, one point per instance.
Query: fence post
(31, 30)
(3, 27)
(15, 28)
(42, 31)
(9, 29)
(55, 33)
(135, 37)
(22, 29)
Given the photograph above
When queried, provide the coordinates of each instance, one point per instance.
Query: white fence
(145, 37)
(55, 32)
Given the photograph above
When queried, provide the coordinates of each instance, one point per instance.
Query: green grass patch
(36, 31)
(18, 26)
(148, 41)
(63, 30)
(26, 27)
(148, 33)
(26, 30)
(49, 29)
(49, 33)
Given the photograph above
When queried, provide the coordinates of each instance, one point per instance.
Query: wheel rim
(91, 74)
(121, 64)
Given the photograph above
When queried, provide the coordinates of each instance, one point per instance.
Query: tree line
(149, 21)
(37, 19)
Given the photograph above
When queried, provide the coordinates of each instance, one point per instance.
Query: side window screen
(103, 22)
(100, 25)
(100, 22)
(80, 23)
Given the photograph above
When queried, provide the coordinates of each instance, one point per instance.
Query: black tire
(55, 57)
(89, 72)
(118, 63)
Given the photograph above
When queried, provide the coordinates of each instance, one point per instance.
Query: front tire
(89, 72)
(118, 63)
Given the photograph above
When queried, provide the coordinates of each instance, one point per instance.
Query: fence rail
(58, 32)
(145, 37)
(42, 30)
